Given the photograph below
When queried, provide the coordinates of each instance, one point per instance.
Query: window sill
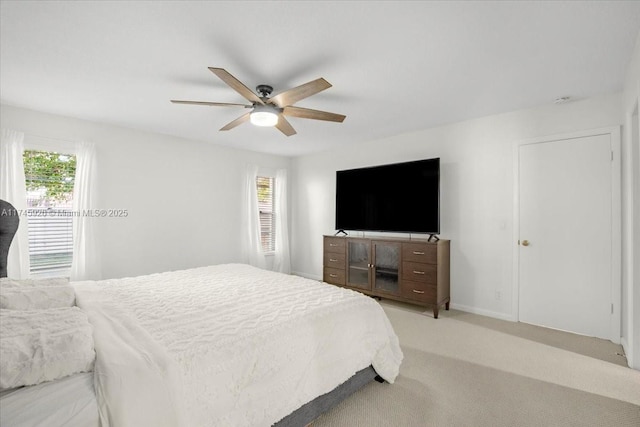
(55, 274)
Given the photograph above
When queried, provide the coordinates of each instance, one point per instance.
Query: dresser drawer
(420, 252)
(419, 291)
(419, 272)
(334, 275)
(335, 244)
(335, 260)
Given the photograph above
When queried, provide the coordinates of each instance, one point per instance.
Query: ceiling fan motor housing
(264, 90)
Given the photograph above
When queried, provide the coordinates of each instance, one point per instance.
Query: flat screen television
(400, 197)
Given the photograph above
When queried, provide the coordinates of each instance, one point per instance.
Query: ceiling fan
(271, 111)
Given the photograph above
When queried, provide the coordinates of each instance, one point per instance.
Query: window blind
(265, 186)
(50, 241)
(49, 181)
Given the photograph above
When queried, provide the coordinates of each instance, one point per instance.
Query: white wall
(183, 197)
(631, 212)
(476, 191)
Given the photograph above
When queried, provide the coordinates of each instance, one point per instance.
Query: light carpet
(469, 370)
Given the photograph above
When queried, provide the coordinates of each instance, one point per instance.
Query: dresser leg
(435, 311)
(446, 306)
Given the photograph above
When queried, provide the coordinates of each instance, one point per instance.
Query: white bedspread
(135, 380)
(248, 346)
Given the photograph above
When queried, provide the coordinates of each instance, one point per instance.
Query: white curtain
(282, 260)
(13, 190)
(85, 264)
(251, 246)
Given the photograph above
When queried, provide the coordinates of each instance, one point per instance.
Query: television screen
(401, 197)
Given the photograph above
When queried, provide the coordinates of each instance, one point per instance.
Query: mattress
(69, 402)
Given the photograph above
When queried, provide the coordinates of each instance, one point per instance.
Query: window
(49, 181)
(266, 186)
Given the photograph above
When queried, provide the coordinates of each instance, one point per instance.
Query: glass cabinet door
(386, 267)
(358, 264)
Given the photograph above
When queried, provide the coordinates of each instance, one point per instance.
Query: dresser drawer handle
(418, 292)
(418, 253)
(333, 244)
(333, 260)
(333, 275)
(418, 272)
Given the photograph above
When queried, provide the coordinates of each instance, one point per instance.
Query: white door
(565, 251)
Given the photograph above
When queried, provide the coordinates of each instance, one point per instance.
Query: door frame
(616, 221)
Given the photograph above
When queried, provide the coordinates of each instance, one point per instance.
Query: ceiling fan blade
(237, 122)
(291, 96)
(306, 113)
(236, 85)
(284, 126)
(215, 104)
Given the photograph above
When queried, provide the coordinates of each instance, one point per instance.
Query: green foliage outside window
(50, 173)
(264, 189)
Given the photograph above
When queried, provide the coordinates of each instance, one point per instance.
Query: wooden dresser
(413, 271)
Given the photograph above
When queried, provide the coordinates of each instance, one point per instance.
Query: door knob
(525, 243)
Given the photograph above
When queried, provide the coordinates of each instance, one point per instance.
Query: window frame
(67, 147)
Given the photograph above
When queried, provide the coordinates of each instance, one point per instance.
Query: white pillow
(20, 283)
(43, 345)
(37, 298)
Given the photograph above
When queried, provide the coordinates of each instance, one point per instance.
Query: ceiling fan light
(264, 118)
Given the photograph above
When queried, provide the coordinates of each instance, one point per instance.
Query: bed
(224, 345)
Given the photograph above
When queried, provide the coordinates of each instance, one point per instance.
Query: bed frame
(305, 415)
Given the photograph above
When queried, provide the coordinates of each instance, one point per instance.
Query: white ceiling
(395, 66)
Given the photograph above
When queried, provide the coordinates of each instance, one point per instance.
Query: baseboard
(307, 275)
(482, 312)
